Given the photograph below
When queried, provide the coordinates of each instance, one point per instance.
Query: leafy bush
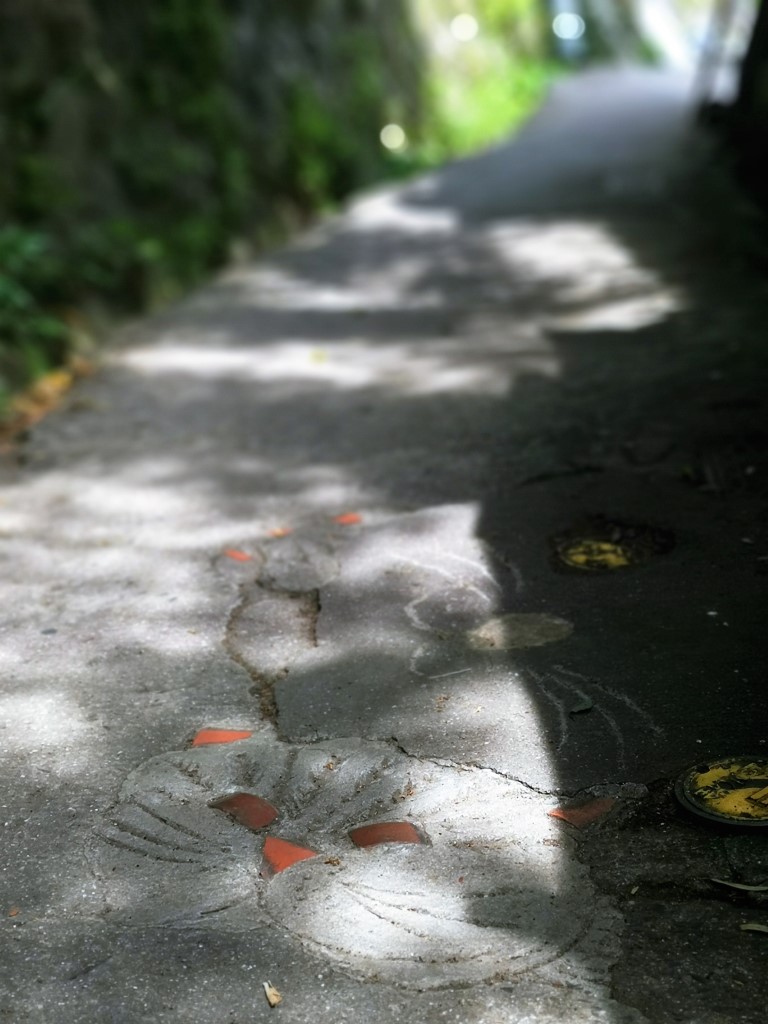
(31, 338)
(479, 90)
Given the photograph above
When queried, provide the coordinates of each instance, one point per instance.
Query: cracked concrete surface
(473, 364)
(481, 901)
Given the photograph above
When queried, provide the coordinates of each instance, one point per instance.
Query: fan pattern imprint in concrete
(478, 899)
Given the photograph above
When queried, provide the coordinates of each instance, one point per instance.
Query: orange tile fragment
(238, 556)
(586, 813)
(385, 832)
(348, 519)
(247, 809)
(279, 854)
(205, 736)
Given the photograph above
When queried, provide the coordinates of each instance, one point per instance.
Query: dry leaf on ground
(273, 996)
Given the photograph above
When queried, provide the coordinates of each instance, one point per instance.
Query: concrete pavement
(326, 506)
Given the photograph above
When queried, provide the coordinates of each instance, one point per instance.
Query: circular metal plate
(600, 544)
(585, 553)
(730, 791)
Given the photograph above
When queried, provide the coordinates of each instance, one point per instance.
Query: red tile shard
(385, 832)
(348, 519)
(238, 556)
(279, 854)
(586, 814)
(205, 736)
(247, 809)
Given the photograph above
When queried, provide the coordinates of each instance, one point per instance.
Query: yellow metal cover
(595, 554)
(731, 791)
(599, 544)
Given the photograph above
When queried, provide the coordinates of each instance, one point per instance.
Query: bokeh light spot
(464, 28)
(392, 136)
(569, 26)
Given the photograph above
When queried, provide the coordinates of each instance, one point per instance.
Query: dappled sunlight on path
(318, 503)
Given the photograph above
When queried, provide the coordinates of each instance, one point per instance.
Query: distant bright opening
(392, 136)
(569, 26)
(464, 28)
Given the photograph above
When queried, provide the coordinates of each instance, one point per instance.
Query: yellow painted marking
(725, 789)
(595, 554)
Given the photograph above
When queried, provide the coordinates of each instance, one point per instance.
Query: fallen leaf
(273, 996)
(348, 519)
(739, 885)
(753, 926)
(280, 531)
(14, 912)
(237, 556)
(580, 708)
(48, 389)
(32, 405)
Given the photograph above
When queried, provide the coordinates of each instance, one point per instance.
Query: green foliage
(315, 149)
(141, 139)
(480, 109)
(31, 339)
(480, 90)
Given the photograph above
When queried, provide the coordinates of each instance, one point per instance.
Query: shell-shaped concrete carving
(471, 889)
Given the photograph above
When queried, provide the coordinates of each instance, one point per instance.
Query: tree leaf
(273, 996)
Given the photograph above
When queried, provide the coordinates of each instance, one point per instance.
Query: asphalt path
(338, 505)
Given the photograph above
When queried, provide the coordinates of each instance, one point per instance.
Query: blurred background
(146, 144)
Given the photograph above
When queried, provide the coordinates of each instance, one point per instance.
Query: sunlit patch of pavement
(491, 893)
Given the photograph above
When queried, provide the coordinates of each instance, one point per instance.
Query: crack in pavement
(262, 687)
(85, 969)
(306, 607)
(444, 762)
(310, 610)
(628, 789)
